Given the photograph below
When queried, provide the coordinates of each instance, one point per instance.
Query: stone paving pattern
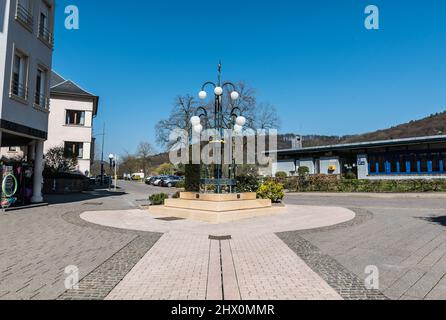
(36, 245)
(405, 240)
(404, 237)
(177, 269)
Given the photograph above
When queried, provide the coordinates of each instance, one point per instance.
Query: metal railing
(19, 89)
(23, 14)
(41, 101)
(45, 34)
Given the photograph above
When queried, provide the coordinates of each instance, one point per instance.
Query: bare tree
(184, 108)
(258, 116)
(144, 152)
(266, 117)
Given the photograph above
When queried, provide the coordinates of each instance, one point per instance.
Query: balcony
(19, 91)
(41, 101)
(45, 35)
(24, 16)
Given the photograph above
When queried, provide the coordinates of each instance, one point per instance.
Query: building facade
(413, 158)
(71, 121)
(26, 48)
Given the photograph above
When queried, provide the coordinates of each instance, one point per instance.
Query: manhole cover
(220, 238)
(169, 219)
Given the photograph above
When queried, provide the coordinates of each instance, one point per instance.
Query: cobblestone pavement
(36, 245)
(406, 240)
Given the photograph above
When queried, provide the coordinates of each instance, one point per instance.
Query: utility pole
(102, 156)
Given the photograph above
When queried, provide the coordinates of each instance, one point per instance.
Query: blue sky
(312, 59)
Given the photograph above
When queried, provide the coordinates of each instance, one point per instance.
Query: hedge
(336, 184)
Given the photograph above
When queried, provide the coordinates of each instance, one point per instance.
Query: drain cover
(169, 219)
(220, 238)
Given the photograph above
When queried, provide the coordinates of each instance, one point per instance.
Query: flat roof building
(412, 158)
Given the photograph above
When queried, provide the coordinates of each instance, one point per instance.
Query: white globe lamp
(241, 121)
(218, 91)
(235, 95)
(203, 95)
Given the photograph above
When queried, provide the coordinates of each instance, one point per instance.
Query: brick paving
(36, 245)
(405, 240)
(185, 266)
(254, 264)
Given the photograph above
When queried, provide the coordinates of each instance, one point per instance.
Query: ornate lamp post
(219, 125)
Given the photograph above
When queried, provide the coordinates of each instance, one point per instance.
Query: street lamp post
(219, 123)
(111, 157)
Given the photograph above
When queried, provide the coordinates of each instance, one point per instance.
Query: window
(23, 14)
(19, 75)
(12, 149)
(74, 149)
(75, 118)
(44, 25)
(41, 96)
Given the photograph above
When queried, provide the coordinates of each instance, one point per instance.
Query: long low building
(413, 158)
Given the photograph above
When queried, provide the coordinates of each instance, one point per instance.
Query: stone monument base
(216, 208)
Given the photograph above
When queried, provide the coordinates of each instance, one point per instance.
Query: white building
(395, 159)
(26, 47)
(71, 121)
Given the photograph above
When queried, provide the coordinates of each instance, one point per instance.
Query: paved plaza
(319, 249)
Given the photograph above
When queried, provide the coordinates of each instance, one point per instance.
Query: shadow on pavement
(437, 220)
(80, 197)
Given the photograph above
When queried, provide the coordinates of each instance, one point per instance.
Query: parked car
(107, 180)
(171, 182)
(158, 181)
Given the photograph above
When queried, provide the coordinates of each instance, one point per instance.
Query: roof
(371, 144)
(64, 87)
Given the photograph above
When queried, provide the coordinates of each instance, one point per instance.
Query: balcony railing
(24, 16)
(45, 35)
(19, 90)
(41, 101)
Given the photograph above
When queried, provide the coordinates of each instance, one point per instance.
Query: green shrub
(303, 171)
(247, 183)
(350, 176)
(271, 190)
(281, 175)
(181, 184)
(176, 195)
(292, 183)
(158, 199)
(332, 183)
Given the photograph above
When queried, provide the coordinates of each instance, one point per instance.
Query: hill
(433, 125)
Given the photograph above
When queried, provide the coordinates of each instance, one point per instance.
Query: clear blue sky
(312, 59)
